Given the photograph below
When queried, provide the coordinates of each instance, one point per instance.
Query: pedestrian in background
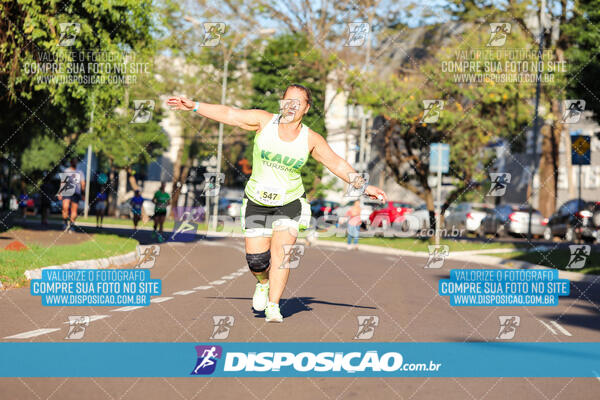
(136, 208)
(101, 199)
(354, 223)
(161, 201)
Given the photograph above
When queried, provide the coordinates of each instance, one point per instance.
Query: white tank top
(276, 166)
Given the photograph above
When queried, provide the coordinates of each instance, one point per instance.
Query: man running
(136, 208)
(74, 185)
(161, 201)
(274, 207)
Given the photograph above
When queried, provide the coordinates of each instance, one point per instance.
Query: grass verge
(14, 263)
(557, 258)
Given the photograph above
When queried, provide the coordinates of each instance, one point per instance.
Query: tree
(288, 59)
(472, 116)
(44, 94)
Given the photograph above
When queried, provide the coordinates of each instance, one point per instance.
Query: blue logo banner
(306, 359)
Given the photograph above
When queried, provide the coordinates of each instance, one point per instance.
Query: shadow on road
(294, 305)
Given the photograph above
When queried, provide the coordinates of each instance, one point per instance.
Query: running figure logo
(573, 110)
(292, 255)
(366, 326)
(146, 255)
(142, 111)
(357, 34)
(212, 183)
(500, 181)
(185, 228)
(431, 111)
(437, 255)
(287, 110)
(579, 255)
(222, 326)
(68, 183)
(508, 326)
(498, 34)
(212, 33)
(207, 359)
(358, 184)
(68, 33)
(77, 325)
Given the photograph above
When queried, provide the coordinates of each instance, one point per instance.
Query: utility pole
(88, 166)
(536, 115)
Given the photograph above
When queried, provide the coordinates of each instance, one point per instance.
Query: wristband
(196, 106)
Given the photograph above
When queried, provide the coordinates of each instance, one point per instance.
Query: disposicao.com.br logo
(314, 363)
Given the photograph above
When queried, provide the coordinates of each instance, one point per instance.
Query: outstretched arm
(250, 120)
(322, 152)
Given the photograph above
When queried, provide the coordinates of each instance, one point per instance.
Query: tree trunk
(121, 190)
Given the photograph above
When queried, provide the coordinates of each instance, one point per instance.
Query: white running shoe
(260, 297)
(272, 313)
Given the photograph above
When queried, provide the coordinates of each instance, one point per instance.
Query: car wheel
(479, 232)
(548, 234)
(569, 234)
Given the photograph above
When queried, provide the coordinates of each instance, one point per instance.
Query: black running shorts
(258, 220)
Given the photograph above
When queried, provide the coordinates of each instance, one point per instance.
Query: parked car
(387, 213)
(365, 211)
(233, 207)
(419, 218)
(511, 219)
(466, 216)
(321, 207)
(575, 219)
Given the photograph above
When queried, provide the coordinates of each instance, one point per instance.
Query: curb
(114, 261)
(489, 260)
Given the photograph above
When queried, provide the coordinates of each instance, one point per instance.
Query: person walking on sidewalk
(354, 223)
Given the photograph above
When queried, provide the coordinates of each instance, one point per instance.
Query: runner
(101, 198)
(70, 203)
(274, 207)
(136, 208)
(161, 200)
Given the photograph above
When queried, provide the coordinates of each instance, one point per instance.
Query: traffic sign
(439, 157)
(580, 149)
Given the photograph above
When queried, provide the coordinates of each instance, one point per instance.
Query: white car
(419, 218)
(466, 216)
(365, 211)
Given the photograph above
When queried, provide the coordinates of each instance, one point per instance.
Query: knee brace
(259, 262)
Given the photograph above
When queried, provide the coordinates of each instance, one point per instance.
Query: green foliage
(473, 115)
(38, 111)
(582, 55)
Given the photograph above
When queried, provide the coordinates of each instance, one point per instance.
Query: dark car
(511, 219)
(387, 213)
(575, 219)
(320, 207)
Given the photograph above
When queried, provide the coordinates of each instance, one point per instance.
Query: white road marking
(184, 292)
(560, 328)
(202, 287)
(238, 273)
(548, 327)
(228, 277)
(243, 269)
(30, 334)
(160, 299)
(217, 282)
(92, 318)
(128, 308)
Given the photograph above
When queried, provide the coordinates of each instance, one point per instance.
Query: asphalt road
(326, 293)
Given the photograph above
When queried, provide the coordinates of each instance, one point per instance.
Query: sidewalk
(473, 256)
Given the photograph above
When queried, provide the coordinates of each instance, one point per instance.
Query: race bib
(270, 195)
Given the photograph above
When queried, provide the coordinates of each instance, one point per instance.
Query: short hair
(304, 88)
(73, 162)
